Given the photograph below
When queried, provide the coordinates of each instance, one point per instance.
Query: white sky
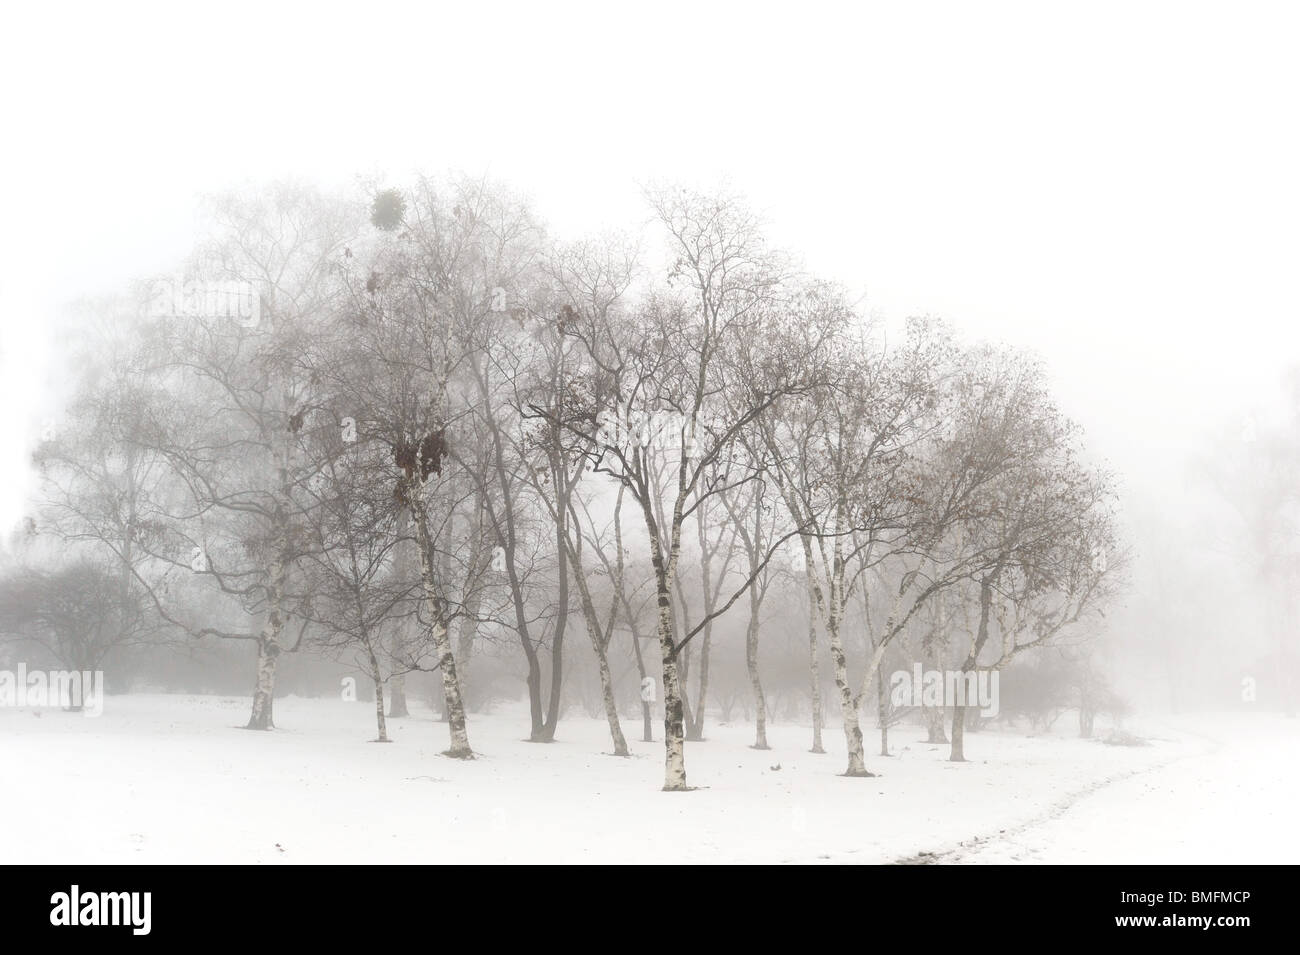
(1113, 185)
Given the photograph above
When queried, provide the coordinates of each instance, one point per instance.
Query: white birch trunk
(814, 664)
(848, 704)
(455, 706)
(602, 657)
(674, 713)
(378, 679)
(674, 717)
(751, 661)
(268, 650)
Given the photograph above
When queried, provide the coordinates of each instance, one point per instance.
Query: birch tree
(710, 332)
(843, 464)
(232, 426)
(358, 588)
(757, 520)
(417, 301)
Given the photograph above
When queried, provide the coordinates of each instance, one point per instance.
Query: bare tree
(232, 427)
(666, 362)
(357, 584)
(757, 521)
(417, 302)
(77, 612)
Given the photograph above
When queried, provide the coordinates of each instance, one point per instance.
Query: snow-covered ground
(1234, 802)
(162, 778)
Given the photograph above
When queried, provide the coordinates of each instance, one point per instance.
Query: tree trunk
(695, 732)
(852, 728)
(665, 570)
(684, 677)
(397, 693)
(647, 713)
(552, 719)
(455, 706)
(268, 651)
(466, 631)
(695, 723)
(848, 705)
(674, 718)
(934, 725)
(674, 725)
(534, 684)
(397, 697)
(957, 754)
(611, 707)
(751, 661)
(379, 698)
(814, 667)
(882, 711)
(933, 714)
(268, 642)
(536, 717)
(601, 649)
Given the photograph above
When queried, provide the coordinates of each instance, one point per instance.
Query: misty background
(1111, 188)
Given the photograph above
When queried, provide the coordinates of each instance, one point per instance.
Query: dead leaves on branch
(418, 459)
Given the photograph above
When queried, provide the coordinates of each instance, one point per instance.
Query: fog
(1108, 189)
